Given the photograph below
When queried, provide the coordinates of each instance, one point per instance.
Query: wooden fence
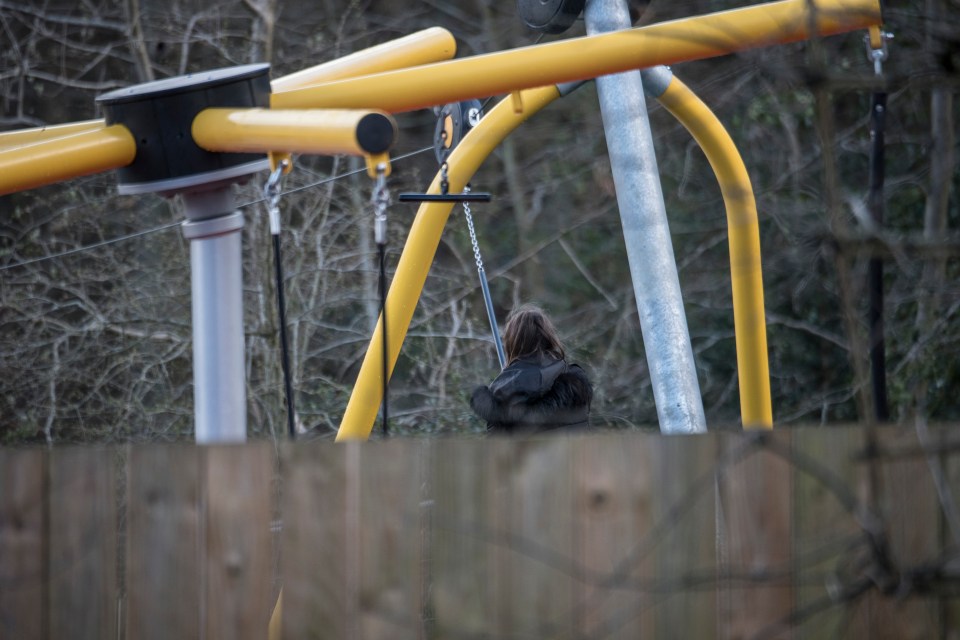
(802, 533)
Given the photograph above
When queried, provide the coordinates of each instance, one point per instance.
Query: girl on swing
(538, 390)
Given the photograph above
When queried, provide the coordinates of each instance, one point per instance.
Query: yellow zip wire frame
(744, 239)
(22, 137)
(667, 43)
(418, 254)
(423, 47)
(315, 131)
(743, 232)
(64, 158)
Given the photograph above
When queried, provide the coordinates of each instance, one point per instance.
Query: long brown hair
(529, 332)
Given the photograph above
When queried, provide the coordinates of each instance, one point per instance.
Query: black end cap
(376, 133)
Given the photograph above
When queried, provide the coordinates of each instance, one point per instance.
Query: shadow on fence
(799, 533)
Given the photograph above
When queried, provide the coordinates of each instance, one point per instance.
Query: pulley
(453, 122)
(549, 16)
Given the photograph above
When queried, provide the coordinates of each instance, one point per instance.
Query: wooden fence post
(756, 537)
(83, 543)
(24, 598)
(163, 543)
(237, 545)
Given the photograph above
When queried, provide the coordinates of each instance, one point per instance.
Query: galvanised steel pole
(653, 268)
(213, 227)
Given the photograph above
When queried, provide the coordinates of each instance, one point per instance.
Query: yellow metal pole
(744, 237)
(275, 626)
(319, 131)
(64, 158)
(21, 137)
(423, 47)
(588, 57)
(418, 253)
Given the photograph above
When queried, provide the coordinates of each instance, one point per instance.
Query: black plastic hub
(160, 114)
(453, 122)
(550, 16)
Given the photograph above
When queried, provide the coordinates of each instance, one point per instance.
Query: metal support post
(219, 390)
(643, 215)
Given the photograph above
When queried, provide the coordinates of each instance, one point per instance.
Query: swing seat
(444, 197)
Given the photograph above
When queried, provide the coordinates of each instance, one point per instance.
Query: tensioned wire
(169, 225)
(164, 227)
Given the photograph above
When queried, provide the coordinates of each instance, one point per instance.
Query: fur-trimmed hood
(535, 394)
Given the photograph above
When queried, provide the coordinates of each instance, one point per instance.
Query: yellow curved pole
(21, 137)
(423, 47)
(64, 158)
(418, 254)
(666, 43)
(744, 238)
(275, 626)
(319, 131)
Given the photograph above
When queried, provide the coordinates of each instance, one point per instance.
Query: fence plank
(83, 543)
(614, 501)
(23, 594)
(827, 535)
(237, 559)
(496, 527)
(685, 495)
(910, 511)
(755, 498)
(535, 542)
(462, 562)
(948, 442)
(163, 574)
(320, 540)
(394, 483)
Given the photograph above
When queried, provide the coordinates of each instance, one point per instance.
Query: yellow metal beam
(21, 137)
(588, 57)
(418, 253)
(64, 158)
(744, 237)
(423, 47)
(318, 131)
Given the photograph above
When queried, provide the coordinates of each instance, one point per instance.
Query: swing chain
(878, 55)
(444, 179)
(473, 233)
(380, 199)
(271, 191)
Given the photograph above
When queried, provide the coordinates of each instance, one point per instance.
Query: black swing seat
(444, 197)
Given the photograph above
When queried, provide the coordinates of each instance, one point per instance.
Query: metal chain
(271, 191)
(381, 200)
(484, 285)
(445, 151)
(473, 233)
(444, 181)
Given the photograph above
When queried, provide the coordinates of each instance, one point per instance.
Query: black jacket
(535, 394)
